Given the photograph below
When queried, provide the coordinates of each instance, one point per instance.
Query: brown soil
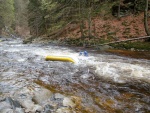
(113, 28)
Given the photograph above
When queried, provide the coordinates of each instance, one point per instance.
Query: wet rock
(48, 108)
(68, 102)
(19, 110)
(64, 110)
(7, 110)
(13, 103)
(4, 105)
(8, 105)
(30, 106)
(59, 96)
(47, 111)
(37, 108)
(54, 105)
(44, 95)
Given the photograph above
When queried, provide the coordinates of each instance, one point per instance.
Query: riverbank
(136, 49)
(99, 83)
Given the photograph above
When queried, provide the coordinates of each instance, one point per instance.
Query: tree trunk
(81, 28)
(0, 31)
(119, 9)
(146, 19)
(37, 27)
(89, 23)
(81, 21)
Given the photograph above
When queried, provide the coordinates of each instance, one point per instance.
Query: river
(98, 83)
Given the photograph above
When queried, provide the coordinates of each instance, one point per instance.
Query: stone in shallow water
(19, 110)
(48, 108)
(59, 96)
(44, 95)
(30, 106)
(68, 102)
(37, 108)
(4, 105)
(64, 110)
(7, 110)
(27, 104)
(13, 103)
(8, 105)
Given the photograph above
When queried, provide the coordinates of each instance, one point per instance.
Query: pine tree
(6, 14)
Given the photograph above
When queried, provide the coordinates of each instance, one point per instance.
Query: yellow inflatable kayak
(59, 58)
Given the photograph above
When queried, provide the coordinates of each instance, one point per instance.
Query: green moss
(111, 33)
(136, 45)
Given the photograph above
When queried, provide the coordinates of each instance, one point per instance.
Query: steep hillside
(112, 28)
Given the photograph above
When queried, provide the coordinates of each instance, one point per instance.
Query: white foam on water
(113, 67)
(120, 71)
(12, 50)
(21, 60)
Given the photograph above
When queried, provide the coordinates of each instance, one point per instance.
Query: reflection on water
(99, 83)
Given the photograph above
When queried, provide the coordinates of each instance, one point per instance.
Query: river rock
(4, 105)
(13, 103)
(30, 106)
(10, 106)
(64, 110)
(44, 95)
(68, 102)
(27, 104)
(37, 108)
(19, 110)
(7, 110)
(59, 96)
(48, 108)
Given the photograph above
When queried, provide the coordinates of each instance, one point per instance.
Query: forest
(76, 22)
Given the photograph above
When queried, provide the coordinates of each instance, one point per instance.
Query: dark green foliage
(36, 16)
(136, 45)
(6, 14)
(128, 6)
(47, 16)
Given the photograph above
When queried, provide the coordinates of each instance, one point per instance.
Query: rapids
(97, 83)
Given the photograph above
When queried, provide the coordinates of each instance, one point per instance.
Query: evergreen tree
(6, 13)
(21, 16)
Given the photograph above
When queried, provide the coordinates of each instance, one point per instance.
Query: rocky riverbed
(99, 83)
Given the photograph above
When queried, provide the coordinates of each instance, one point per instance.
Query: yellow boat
(59, 58)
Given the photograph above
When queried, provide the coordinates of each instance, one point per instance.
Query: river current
(97, 83)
